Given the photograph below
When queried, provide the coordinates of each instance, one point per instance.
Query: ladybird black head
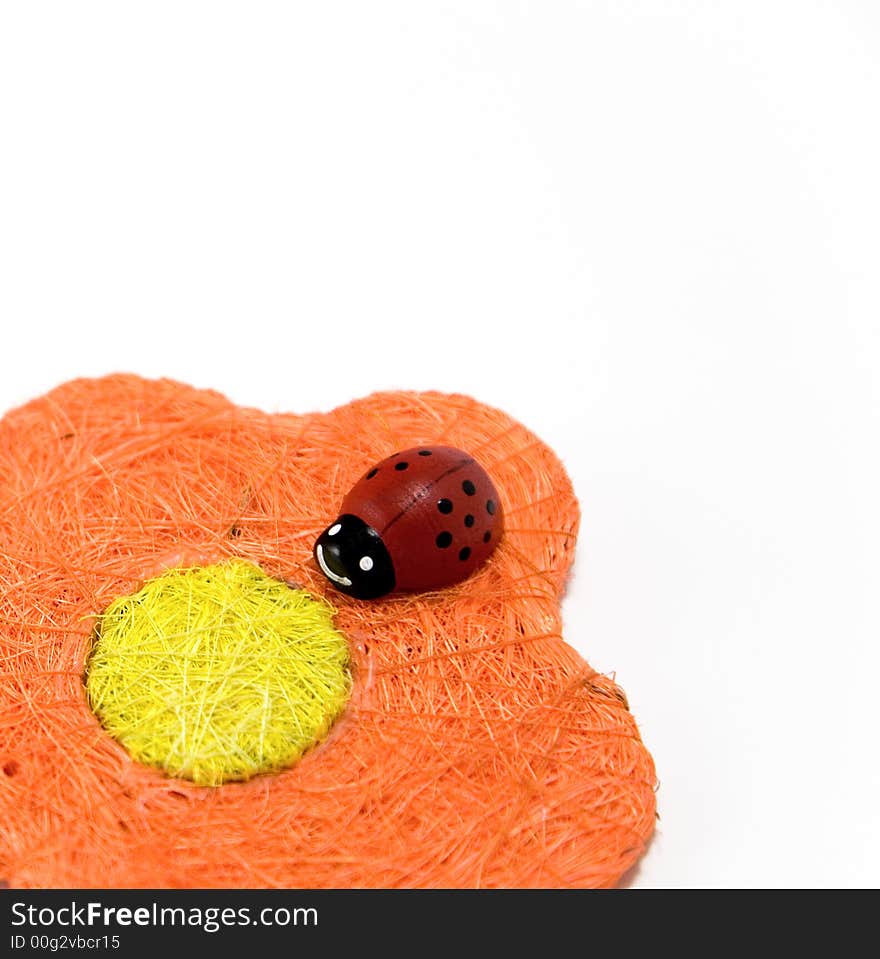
(353, 557)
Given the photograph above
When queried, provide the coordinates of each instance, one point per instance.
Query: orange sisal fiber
(478, 748)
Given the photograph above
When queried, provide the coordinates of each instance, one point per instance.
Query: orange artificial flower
(477, 748)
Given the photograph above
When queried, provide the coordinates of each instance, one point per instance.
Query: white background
(651, 231)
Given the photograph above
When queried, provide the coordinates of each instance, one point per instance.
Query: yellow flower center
(218, 673)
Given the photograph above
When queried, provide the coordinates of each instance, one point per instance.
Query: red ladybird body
(434, 509)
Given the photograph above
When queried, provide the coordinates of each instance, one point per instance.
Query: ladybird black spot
(468, 520)
(424, 452)
(444, 505)
(372, 472)
(401, 465)
(469, 487)
(487, 536)
(464, 553)
(443, 540)
(490, 506)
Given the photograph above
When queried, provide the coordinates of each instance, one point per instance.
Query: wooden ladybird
(421, 519)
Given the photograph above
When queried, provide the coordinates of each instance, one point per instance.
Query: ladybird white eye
(366, 563)
(334, 529)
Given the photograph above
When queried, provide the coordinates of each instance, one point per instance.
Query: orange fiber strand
(477, 749)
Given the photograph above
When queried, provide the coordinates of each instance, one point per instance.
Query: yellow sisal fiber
(217, 673)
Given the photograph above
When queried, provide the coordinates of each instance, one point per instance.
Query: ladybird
(422, 519)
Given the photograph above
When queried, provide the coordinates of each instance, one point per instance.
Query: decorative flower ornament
(187, 699)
